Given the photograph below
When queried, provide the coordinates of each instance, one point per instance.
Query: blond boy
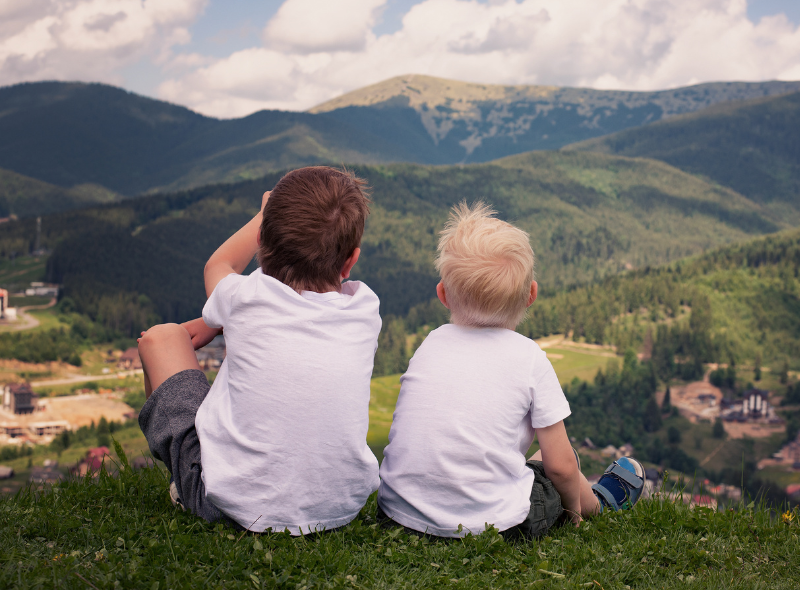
(473, 397)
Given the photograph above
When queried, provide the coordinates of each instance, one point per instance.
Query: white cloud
(88, 39)
(317, 49)
(311, 26)
(314, 50)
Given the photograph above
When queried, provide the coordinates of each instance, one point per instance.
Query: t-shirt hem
(297, 530)
(451, 532)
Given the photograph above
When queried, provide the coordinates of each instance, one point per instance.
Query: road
(25, 321)
(86, 378)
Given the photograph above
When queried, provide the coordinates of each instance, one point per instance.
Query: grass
(124, 533)
(570, 363)
(21, 271)
(382, 400)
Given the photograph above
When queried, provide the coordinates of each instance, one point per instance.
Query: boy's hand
(236, 253)
(200, 333)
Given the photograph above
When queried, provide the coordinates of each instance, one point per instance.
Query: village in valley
(47, 405)
(49, 411)
(59, 419)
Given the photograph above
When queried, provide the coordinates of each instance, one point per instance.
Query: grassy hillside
(750, 147)
(588, 215)
(448, 121)
(123, 532)
(26, 197)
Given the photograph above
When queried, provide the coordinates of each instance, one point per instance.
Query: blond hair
(486, 266)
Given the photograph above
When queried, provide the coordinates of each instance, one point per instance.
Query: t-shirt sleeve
(218, 307)
(548, 402)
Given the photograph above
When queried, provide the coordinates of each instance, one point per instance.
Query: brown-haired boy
(279, 440)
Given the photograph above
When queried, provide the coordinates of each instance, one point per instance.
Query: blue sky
(229, 58)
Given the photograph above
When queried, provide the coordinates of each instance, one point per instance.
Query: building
(753, 407)
(42, 290)
(6, 311)
(12, 429)
(756, 403)
(211, 356)
(130, 360)
(18, 398)
(48, 474)
(48, 428)
(92, 462)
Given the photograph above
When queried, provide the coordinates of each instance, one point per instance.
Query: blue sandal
(621, 485)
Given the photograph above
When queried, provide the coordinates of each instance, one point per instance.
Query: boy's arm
(236, 253)
(200, 333)
(561, 466)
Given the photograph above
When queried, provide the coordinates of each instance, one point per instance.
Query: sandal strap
(631, 479)
(607, 496)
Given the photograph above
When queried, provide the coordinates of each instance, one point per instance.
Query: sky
(230, 58)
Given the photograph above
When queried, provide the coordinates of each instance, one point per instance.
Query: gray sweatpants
(167, 421)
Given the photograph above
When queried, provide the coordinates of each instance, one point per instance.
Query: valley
(665, 227)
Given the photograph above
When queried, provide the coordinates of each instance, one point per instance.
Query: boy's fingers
(264, 198)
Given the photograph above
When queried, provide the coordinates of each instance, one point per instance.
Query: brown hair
(313, 221)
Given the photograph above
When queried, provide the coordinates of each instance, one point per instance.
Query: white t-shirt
(465, 416)
(283, 430)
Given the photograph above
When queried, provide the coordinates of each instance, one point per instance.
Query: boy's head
(312, 224)
(486, 266)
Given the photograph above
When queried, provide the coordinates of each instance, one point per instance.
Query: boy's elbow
(561, 471)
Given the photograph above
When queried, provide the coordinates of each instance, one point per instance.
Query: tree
(103, 433)
(784, 377)
(730, 376)
(757, 367)
(719, 429)
(673, 435)
(652, 416)
(666, 406)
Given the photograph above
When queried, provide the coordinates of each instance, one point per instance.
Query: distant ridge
(751, 147)
(72, 134)
(470, 122)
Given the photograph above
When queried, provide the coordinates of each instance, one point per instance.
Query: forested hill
(751, 147)
(71, 134)
(27, 197)
(589, 215)
(735, 303)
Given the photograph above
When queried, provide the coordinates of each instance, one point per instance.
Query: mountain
(751, 147)
(26, 197)
(71, 134)
(588, 215)
(448, 122)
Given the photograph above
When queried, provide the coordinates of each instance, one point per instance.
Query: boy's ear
(534, 293)
(350, 263)
(441, 294)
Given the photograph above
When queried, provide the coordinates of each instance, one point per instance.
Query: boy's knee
(161, 335)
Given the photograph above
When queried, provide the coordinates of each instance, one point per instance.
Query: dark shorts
(545, 511)
(167, 421)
